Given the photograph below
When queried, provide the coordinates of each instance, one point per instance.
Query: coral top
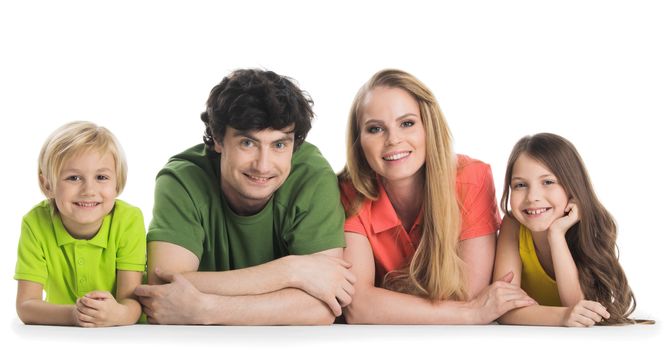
(393, 246)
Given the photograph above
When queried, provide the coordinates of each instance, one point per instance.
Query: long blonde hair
(436, 270)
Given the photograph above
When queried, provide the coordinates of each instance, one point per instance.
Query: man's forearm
(265, 278)
(284, 307)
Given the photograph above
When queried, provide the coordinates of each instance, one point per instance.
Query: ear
(47, 186)
(218, 147)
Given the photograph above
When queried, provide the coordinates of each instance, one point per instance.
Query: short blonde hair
(73, 139)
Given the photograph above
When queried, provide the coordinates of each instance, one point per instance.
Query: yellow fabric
(534, 279)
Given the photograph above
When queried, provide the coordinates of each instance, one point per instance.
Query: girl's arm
(101, 309)
(32, 309)
(372, 305)
(566, 273)
(582, 314)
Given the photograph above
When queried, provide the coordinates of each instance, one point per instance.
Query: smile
(535, 211)
(87, 204)
(258, 179)
(396, 156)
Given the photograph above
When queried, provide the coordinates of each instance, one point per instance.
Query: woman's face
(392, 133)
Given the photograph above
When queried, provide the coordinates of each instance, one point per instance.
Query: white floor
(336, 337)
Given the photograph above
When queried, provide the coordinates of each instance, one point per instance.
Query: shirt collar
(63, 237)
(384, 216)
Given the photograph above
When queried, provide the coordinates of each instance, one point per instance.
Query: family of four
(253, 227)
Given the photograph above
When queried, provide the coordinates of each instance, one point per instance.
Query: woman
(421, 221)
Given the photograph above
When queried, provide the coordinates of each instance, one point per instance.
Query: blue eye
(280, 145)
(407, 124)
(519, 185)
(374, 129)
(246, 143)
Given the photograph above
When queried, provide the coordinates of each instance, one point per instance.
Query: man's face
(253, 165)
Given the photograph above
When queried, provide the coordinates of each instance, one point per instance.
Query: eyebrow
(540, 177)
(289, 136)
(406, 115)
(79, 170)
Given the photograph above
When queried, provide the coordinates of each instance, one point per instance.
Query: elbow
(357, 312)
(24, 315)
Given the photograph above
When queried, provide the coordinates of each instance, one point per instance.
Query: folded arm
(271, 293)
(374, 305)
(32, 309)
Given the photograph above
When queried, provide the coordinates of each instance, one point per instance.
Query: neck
(406, 196)
(242, 205)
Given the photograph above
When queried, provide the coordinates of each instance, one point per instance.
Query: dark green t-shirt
(304, 216)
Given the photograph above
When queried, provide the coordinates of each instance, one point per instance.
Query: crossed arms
(293, 290)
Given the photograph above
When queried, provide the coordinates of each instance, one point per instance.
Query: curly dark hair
(253, 99)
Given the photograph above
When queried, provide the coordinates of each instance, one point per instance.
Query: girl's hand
(585, 313)
(98, 309)
(498, 299)
(560, 226)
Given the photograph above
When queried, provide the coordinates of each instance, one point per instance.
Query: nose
(88, 188)
(393, 137)
(262, 161)
(533, 193)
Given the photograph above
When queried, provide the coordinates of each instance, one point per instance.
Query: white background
(592, 71)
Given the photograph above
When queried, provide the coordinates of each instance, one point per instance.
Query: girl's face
(537, 198)
(86, 192)
(392, 134)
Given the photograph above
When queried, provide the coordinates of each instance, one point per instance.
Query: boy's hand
(97, 309)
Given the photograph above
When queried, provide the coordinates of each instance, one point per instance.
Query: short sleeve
(319, 226)
(131, 254)
(353, 222)
(31, 262)
(175, 216)
(479, 212)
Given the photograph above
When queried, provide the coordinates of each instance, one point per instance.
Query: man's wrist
(290, 271)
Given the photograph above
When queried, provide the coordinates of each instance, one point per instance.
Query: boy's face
(86, 192)
(253, 165)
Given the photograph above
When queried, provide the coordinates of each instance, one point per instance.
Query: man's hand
(177, 302)
(326, 278)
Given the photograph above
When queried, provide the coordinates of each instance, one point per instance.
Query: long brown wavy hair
(592, 241)
(436, 269)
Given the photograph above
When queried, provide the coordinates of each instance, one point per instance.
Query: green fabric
(304, 215)
(67, 267)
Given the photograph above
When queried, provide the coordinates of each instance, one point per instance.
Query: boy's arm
(32, 309)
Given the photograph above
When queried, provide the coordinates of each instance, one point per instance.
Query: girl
(559, 240)
(82, 246)
(421, 220)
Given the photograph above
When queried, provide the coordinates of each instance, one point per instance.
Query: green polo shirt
(67, 267)
(303, 216)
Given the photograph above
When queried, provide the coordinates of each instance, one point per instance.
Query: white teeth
(259, 179)
(396, 156)
(536, 211)
(86, 204)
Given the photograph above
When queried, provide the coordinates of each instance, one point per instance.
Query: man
(247, 228)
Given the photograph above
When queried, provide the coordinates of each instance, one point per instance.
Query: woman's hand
(497, 299)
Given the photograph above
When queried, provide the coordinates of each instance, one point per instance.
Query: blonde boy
(82, 246)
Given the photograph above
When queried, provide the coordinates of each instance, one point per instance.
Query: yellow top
(534, 280)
